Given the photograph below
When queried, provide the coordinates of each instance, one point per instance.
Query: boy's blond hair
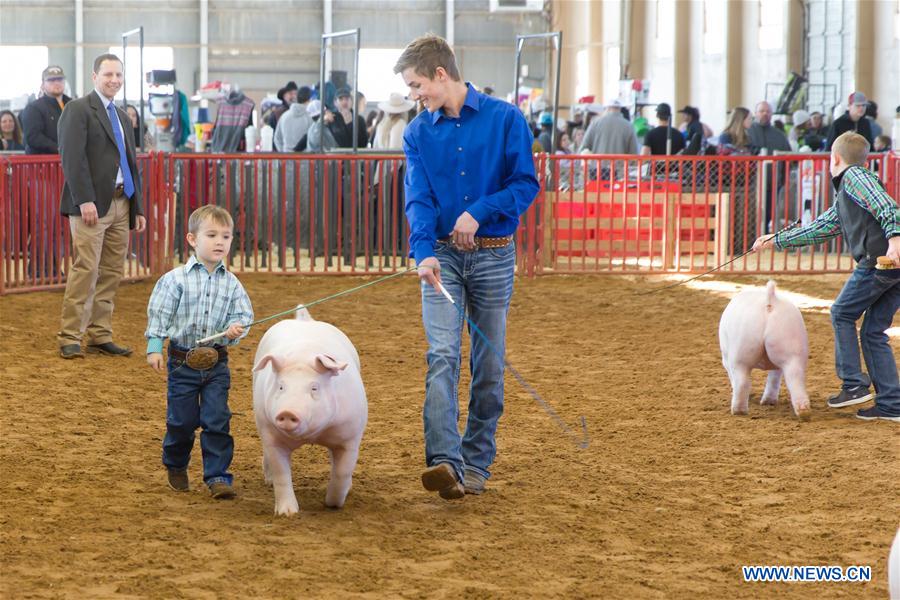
(852, 148)
(217, 214)
(425, 54)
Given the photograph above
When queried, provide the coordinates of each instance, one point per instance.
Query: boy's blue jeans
(875, 294)
(481, 283)
(199, 399)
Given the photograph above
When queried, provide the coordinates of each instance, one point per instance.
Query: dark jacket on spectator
(693, 127)
(844, 124)
(39, 122)
(767, 136)
(343, 132)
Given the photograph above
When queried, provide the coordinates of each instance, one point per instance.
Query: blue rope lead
(581, 442)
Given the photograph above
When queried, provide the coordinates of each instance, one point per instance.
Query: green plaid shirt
(861, 186)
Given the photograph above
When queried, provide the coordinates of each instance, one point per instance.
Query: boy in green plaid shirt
(869, 220)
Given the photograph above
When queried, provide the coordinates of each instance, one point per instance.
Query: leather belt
(484, 242)
(182, 354)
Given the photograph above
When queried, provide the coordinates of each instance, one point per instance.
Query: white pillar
(327, 27)
(204, 47)
(450, 15)
(79, 48)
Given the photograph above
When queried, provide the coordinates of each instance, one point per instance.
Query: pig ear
(325, 364)
(268, 358)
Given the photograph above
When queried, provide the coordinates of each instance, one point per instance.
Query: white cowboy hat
(396, 104)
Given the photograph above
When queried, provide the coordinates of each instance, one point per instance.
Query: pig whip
(313, 303)
(582, 441)
(725, 264)
(202, 357)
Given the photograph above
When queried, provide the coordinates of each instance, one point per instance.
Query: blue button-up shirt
(479, 163)
(190, 303)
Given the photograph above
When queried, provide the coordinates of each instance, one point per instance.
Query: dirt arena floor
(673, 495)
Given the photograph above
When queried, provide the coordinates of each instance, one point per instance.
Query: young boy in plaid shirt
(869, 220)
(188, 304)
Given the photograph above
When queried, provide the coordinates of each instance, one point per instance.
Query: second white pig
(307, 389)
(759, 330)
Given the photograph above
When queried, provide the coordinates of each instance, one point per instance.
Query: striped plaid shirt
(190, 303)
(861, 186)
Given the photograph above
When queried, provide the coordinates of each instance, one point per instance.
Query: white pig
(759, 330)
(894, 568)
(307, 389)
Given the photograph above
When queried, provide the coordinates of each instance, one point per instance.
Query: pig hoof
(768, 401)
(804, 414)
(739, 411)
(287, 509)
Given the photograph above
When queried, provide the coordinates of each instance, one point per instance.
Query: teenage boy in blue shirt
(469, 176)
(188, 304)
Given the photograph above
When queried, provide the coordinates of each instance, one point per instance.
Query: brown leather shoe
(441, 478)
(70, 351)
(109, 349)
(221, 491)
(178, 480)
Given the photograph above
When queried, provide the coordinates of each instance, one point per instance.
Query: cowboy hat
(396, 104)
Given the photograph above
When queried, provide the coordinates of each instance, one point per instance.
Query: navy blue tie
(123, 157)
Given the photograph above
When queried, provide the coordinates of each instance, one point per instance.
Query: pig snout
(287, 421)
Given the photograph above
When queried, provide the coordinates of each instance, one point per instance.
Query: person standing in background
(40, 118)
(102, 199)
(10, 132)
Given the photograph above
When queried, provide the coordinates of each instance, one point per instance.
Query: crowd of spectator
(608, 129)
(302, 124)
(303, 121)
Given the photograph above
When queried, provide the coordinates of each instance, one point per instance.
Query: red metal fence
(35, 248)
(627, 214)
(343, 214)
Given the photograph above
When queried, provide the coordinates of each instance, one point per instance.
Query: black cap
(343, 91)
(693, 112)
(663, 111)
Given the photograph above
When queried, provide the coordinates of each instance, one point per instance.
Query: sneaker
(873, 413)
(849, 397)
(441, 478)
(178, 480)
(474, 483)
(221, 490)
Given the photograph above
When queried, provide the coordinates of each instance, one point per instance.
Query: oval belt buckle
(202, 358)
(884, 263)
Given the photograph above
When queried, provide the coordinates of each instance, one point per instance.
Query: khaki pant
(99, 263)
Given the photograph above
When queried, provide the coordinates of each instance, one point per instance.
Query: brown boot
(221, 491)
(441, 478)
(178, 480)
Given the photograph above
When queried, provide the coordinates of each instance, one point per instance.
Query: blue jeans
(199, 399)
(875, 294)
(481, 283)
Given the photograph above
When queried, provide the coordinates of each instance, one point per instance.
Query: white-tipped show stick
(211, 338)
(446, 293)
